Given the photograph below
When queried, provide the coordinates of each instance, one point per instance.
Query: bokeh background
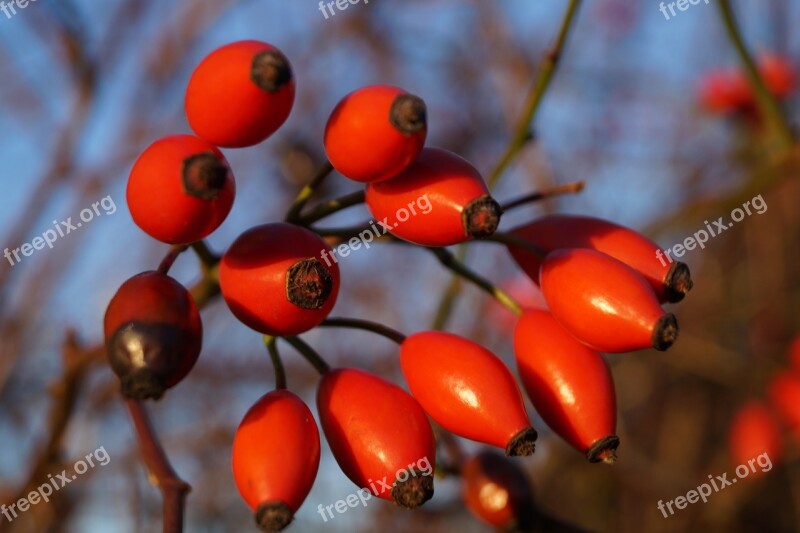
(87, 85)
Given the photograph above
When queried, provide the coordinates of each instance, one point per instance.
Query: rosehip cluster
(602, 283)
(760, 426)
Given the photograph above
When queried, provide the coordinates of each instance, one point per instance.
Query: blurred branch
(765, 100)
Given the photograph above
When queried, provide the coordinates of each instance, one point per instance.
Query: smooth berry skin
(604, 303)
(255, 273)
(276, 452)
(225, 103)
(783, 392)
(375, 429)
(157, 194)
(153, 334)
(754, 431)
(497, 491)
(444, 184)
(669, 279)
(361, 140)
(465, 388)
(569, 384)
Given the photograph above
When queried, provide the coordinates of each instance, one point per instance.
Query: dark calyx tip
(142, 384)
(665, 332)
(409, 114)
(273, 516)
(523, 443)
(603, 450)
(204, 175)
(270, 71)
(678, 282)
(413, 492)
(481, 217)
(308, 284)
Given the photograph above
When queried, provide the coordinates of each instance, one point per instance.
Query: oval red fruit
(275, 457)
(274, 280)
(467, 390)
(375, 132)
(497, 491)
(440, 200)
(671, 280)
(754, 431)
(240, 94)
(153, 334)
(604, 303)
(784, 395)
(569, 384)
(180, 189)
(379, 435)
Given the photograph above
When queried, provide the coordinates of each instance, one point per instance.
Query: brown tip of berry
(142, 384)
(665, 332)
(308, 284)
(413, 492)
(273, 516)
(481, 217)
(678, 282)
(603, 450)
(270, 71)
(204, 175)
(408, 114)
(523, 443)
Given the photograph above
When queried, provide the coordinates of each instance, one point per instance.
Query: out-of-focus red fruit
(569, 384)
(778, 74)
(784, 395)
(497, 491)
(670, 280)
(723, 92)
(754, 431)
(604, 303)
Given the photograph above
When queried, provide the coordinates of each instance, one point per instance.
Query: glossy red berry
(379, 435)
(375, 133)
(279, 279)
(275, 458)
(784, 395)
(670, 280)
(180, 189)
(569, 384)
(153, 334)
(240, 94)
(497, 491)
(467, 390)
(604, 303)
(440, 200)
(754, 431)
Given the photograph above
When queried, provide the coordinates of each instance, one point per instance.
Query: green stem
(169, 259)
(277, 364)
(208, 259)
(309, 353)
(547, 69)
(357, 323)
(569, 188)
(450, 295)
(332, 206)
(450, 261)
(767, 104)
(509, 239)
(305, 194)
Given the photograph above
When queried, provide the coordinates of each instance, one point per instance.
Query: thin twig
(169, 259)
(305, 194)
(309, 353)
(357, 323)
(332, 206)
(173, 488)
(569, 188)
(509, 239)
(277, 364)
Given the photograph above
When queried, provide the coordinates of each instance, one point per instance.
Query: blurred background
(88, 85)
